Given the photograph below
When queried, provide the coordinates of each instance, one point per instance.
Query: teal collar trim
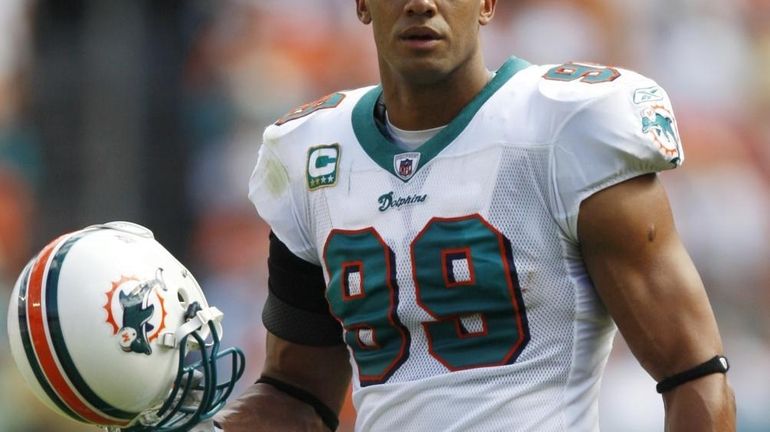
(382, 150)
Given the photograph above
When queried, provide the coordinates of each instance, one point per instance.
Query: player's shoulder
(607, 125)
(304, 144)
(592, 96)
(328, 113)
(578, 84)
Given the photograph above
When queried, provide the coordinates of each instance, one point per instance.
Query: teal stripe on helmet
(59, 344)
(29, 350)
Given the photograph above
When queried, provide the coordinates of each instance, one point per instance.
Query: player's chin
(424, 68)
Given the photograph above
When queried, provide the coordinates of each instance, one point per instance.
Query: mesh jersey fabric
(529, 344)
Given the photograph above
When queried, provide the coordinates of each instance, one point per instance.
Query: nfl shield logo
(405, 164)
(405, 168)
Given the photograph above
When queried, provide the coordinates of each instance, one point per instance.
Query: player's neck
(418, 105)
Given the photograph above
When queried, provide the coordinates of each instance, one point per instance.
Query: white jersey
(455, 269)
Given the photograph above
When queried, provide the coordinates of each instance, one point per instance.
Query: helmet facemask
(196, 395)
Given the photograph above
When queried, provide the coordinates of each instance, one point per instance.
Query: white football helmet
(100, 323)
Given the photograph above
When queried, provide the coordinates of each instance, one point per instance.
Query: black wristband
(327, 415)
(718, 364)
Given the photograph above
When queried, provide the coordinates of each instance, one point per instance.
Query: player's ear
(487, 11)
(362, 9)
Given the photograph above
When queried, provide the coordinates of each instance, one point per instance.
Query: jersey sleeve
(621, 134)
(277, 193)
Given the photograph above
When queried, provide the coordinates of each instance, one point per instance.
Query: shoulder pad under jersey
(616, 125)
(280, 181)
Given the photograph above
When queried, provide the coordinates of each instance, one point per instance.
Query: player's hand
(264, 408)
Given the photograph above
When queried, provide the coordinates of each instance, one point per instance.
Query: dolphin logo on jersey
(658, 122)
(661, 124)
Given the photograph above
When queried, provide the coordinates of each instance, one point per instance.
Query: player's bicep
(645, 277)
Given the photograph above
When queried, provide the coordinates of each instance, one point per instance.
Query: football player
(465, 243)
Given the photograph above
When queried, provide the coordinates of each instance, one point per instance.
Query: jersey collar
(382, 150)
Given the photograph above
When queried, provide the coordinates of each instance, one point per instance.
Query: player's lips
(420, 37)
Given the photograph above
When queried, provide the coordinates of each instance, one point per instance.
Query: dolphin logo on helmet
(136, 316)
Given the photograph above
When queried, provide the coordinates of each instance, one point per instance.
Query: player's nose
(420, 8)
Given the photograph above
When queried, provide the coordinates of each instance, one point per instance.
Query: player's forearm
(706, 404)
(322, 371)
(263, 408)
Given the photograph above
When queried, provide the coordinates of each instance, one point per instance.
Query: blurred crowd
(131, 110)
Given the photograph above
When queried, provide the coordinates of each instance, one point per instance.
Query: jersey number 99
(464, 278)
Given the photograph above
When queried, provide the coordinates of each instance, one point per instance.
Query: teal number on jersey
(362, 293)
(584, 73)
(326, 102)
(466, 280)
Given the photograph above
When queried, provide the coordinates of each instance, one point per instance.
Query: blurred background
(152, 111)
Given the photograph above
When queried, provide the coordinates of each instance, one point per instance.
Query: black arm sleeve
(296, 309)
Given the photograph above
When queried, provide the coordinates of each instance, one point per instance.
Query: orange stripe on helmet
(42, 346)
